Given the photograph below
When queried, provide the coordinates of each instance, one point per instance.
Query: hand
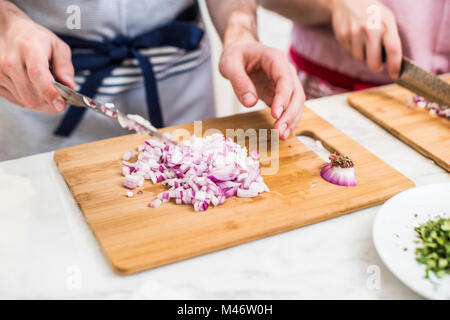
(257, 71)
(362, 36)
(26, 52)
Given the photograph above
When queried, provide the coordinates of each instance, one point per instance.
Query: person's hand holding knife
(27, 51)
(365, 28)
(362, 27)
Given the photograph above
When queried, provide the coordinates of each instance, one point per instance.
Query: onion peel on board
(339, 171)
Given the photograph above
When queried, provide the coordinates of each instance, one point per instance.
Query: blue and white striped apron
(184, 81)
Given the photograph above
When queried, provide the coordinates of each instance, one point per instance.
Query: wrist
(241, 27)
(9, 13)
(329, 5)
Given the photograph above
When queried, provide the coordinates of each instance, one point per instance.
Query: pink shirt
(424, 28)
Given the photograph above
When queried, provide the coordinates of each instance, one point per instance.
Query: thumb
(62, 64)
(242, 84)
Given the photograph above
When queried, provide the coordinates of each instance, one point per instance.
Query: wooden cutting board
(430, 135)
(135, 237)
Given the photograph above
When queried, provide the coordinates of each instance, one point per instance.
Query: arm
(27, 50)
(233, 16)
(302, 12)
(355, 26)
(254, 70)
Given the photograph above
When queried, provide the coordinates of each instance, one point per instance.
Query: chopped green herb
(416, 215)
(435, 249)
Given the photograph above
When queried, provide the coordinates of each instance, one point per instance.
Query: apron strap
(104, 57)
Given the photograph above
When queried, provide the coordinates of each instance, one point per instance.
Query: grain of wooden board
(135, 237)
(428, 134)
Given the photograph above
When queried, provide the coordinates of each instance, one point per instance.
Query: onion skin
(339, 171)
(132, 182)
(155, 203)
(128, 155)
(328, 173)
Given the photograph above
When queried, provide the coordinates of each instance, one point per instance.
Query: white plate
(393, 235)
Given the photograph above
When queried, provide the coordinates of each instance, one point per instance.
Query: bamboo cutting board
(135, 237)
(430, 135)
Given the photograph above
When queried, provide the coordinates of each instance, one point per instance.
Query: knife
(138, 124)
(424, 83)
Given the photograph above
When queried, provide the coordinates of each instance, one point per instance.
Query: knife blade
(424, 83)
(140, 125)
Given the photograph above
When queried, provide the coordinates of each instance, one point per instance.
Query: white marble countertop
(48, 251)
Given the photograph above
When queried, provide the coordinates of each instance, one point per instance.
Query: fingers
(273, 76)
(232, 68)
(5, 93)
(62, 63)
(352, 38)
(357, 42)
(373, 50)
(25, 76)
(26, 79)
(393, 47)
(19, 84)
(342, 31)
(283, 92)
(288, 121)
(283, 74)
(364, 40)
(6, 66)
(39, 74)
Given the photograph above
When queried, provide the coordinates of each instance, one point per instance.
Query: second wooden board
(387, 106)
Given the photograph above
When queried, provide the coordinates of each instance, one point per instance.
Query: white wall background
(273, 30)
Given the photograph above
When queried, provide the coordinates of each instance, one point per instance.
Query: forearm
(302, 12)
(234, 19)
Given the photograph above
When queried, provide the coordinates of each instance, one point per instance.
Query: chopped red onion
(127, 156)
(129, 121)
(254, 154)
(140, 120)
(132, 181)
(155, 203)
(109, 109)
(339, 171)
(434, 108)
(200, 172)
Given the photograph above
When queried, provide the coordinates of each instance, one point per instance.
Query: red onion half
(339, 171)
(200, 172)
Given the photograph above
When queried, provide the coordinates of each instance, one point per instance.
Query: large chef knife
(424, 83)
(137, 123)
